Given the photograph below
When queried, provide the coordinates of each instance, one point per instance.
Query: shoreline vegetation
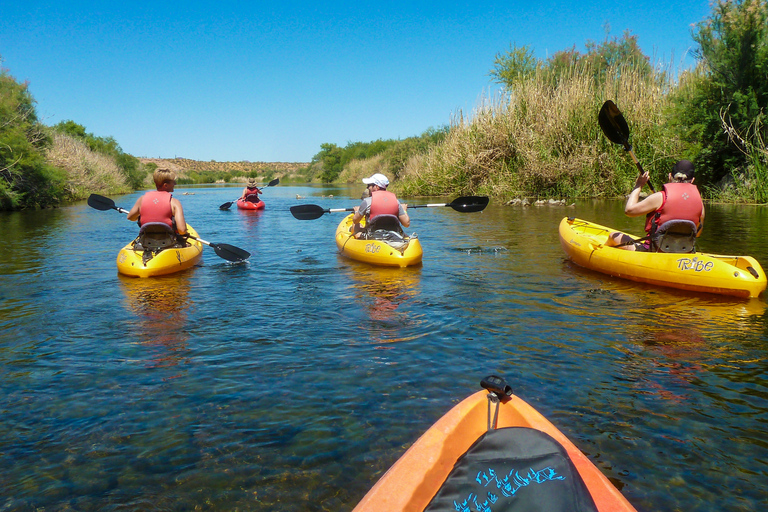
(538, 137)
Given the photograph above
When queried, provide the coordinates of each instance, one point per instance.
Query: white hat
(377, 179)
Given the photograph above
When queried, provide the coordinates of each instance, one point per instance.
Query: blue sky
(272, 81)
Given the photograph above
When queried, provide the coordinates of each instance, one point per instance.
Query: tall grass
(87, 171)
(750, 184)
(544, 141)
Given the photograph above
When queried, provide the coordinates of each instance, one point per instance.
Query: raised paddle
(615, 128)
(226, 251)
(226, 205)
(466, 204)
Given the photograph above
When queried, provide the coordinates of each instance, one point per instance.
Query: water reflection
(160, 305)
(668, 334)
(383, 293)
(249, 218)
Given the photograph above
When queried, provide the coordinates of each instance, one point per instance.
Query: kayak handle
(498, 386)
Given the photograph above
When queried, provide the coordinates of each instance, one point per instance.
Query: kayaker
(160, 205)
(678, 199)
(251, 192)
(380, 202)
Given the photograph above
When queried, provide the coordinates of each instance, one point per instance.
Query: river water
(293, 381)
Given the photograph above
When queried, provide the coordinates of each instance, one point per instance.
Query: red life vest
(252, 194)
(681, 201)
(156, 207)
(383, 203)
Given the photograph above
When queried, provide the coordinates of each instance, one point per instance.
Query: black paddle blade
(613, 124)
(226, 205)
(469, 204)
(307, 211)
(274, 182)
(101, 203)
(230, 252)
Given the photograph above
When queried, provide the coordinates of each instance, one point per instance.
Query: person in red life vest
(160, 205)
(380, 202)
(678, 199)
(251, 192)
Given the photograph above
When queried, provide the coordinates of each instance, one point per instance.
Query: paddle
(225, 251)
(226, 205)
(615, 128)
(466, 204)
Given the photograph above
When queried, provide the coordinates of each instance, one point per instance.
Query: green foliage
(26, 180)
(329, 159)
(515, 66)
(135, 173)
(520, 65)
(729, 88)
(332, 160)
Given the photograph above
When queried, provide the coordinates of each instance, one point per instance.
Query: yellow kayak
(739, 276)
(376, 252)
(131, 261)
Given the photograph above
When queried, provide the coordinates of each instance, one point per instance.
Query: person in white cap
(380, 202)
(678, 199)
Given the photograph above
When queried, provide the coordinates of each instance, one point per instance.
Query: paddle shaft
(616, 129)
(226, 205)
(462, 204)
(225, 251)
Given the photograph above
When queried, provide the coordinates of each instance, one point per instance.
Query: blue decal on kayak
(507, 486)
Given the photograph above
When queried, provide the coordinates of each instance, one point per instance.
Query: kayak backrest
(385, 222)
(675, 236)
(155, 236)
(514, 469)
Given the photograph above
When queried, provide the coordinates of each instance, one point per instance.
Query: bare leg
(620, 241)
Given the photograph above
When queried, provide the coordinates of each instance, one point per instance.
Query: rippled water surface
(292, 382)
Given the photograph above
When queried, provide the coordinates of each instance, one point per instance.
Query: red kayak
(247, 205)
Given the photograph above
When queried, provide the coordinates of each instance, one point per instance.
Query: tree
(515, 66)
(520, 64)
(26, 179)
(330, 159)
(731, 82)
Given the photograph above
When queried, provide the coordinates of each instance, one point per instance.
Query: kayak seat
(386, 223)
(386, 228)
(253, 198)
(514, 469)
(155, 236)
(675, 236)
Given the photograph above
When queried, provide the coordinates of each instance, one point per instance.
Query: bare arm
(405, 219)
(701, 222)
(178, 215)
(133, 214)
(635, 207)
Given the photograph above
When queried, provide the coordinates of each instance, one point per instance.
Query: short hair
(163, 174)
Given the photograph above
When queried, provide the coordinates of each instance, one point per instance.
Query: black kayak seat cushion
(675, 236)
(514, 469)
(385, 222)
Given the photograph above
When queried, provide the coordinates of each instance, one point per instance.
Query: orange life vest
(681, 201)
(156, 207)
(383, 203)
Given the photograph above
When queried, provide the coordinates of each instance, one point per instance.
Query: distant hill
(181, 165)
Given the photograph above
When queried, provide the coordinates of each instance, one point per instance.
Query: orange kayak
(522, 462)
